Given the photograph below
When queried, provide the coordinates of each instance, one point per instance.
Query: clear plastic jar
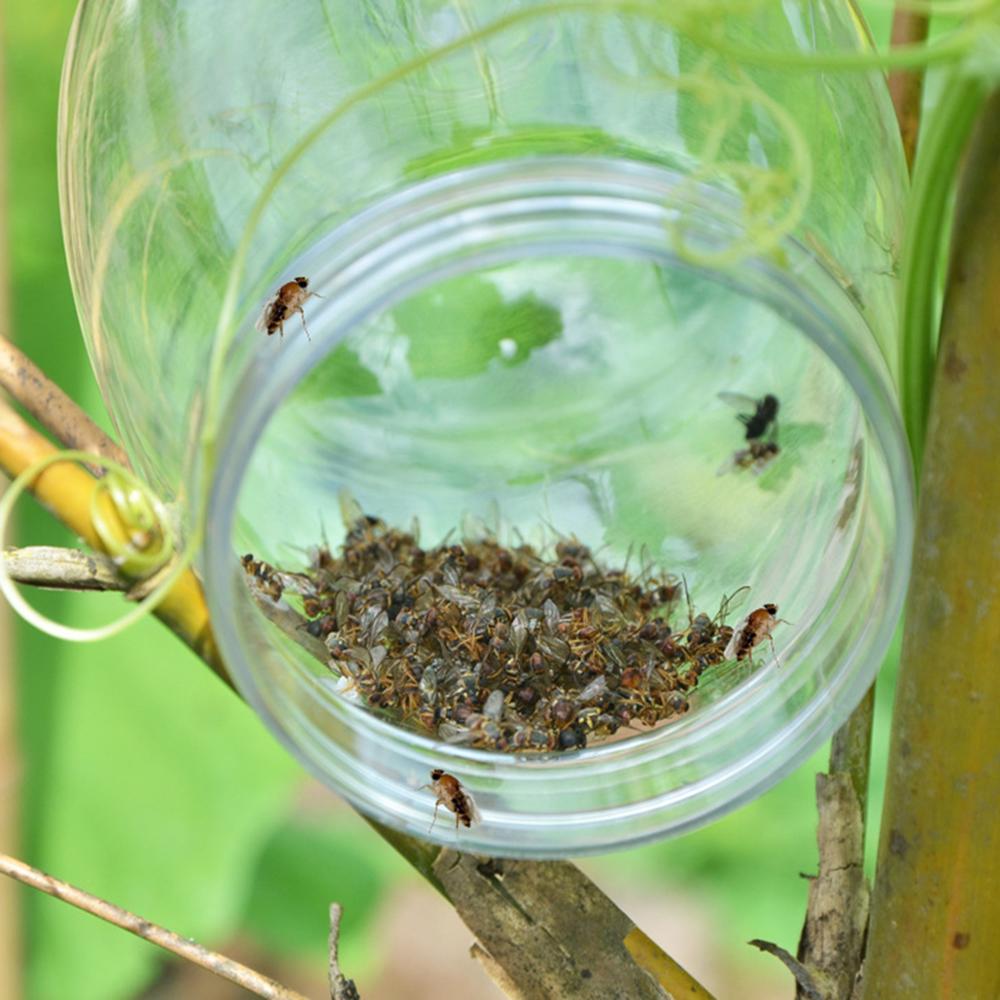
(547, 237)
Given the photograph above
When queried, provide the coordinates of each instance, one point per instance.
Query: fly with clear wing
(285, 303)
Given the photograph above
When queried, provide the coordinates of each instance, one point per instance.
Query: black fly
(761, 430)
(759, 422)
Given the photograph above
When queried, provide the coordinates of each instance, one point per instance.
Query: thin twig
(62, 569)
(341, 988)
(833, 938)
(907, 85)
(219, 965)
(51, 407)
(805, 979)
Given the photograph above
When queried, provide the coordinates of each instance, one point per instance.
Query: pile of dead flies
(500, 648)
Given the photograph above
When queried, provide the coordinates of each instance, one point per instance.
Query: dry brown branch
(907, 85)
(51, 407)
(851, 749)
(833, 938)
(553, 933)
(806, 984)
(62, 569)
(219, 965)
(935, 914)
(341, 988)
(831, 945)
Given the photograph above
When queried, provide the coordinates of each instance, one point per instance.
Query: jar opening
(518, 349)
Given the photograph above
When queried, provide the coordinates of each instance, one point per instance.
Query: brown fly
(753, 630)
(454, 797)
(285, 302)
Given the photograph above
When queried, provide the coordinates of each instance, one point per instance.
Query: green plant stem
(941, 147)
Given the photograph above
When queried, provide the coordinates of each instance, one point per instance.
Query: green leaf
(160, 788)
(341, 374)
(304, 868)
(456, 328)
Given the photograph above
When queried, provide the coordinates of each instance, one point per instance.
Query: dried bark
(833, 937)
(62, 569)
(548, 927)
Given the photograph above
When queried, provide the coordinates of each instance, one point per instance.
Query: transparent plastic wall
(547, 237)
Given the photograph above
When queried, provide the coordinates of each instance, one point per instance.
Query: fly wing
(265, 313)
(738, 460)
(738, 401)
(734, 642)
(474, 816)
(730, 602)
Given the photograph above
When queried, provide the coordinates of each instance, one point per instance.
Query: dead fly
(757, 457)
(285, 302)
(761, 429)
(454, 797)
(500, 648)
(272, 582)
(759, 422)
(753, 630)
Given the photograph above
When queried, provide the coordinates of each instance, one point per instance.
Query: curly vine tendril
(133, 526)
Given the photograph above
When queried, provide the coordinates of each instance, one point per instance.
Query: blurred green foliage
(147, 782)
(144, 780)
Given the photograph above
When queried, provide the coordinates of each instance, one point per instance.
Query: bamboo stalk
(935, 911)
(832, 940)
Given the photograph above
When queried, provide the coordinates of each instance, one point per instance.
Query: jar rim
(486, 214)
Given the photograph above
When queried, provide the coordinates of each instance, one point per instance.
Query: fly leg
(302, 313)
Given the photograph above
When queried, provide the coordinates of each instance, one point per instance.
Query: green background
(147, 782)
